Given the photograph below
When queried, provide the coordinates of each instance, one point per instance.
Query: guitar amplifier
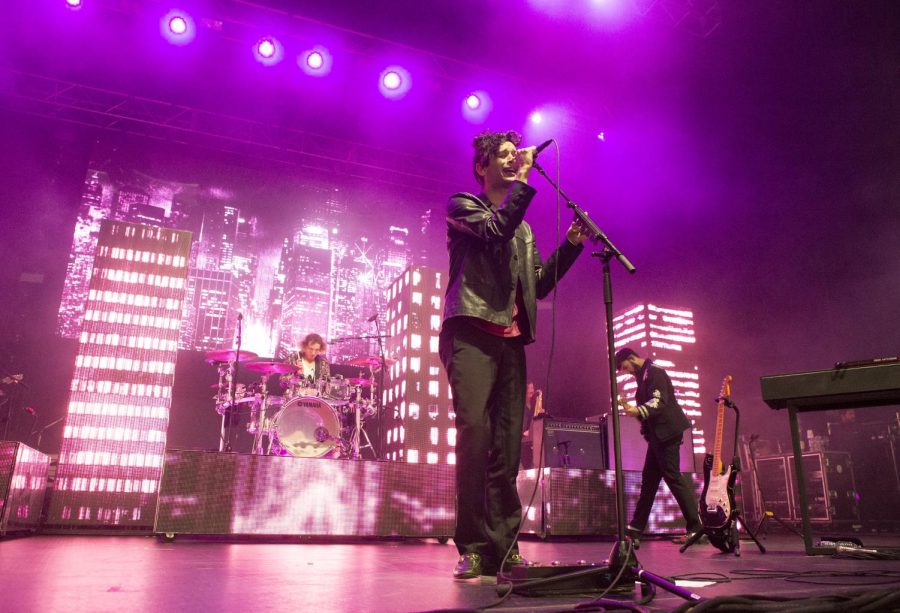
(573, 444)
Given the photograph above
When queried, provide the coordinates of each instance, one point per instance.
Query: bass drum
(307, 427)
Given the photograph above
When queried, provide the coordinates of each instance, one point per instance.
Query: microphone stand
(230, 415)
(40, 432)
(622, 566)
(379, 337)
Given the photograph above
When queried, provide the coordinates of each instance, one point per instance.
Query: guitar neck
(717, 445)
(718, 467)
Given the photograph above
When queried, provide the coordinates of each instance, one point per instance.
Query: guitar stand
(734, 537)
(731, 541)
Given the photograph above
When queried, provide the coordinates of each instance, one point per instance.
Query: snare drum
(307, 427)
(336, 389)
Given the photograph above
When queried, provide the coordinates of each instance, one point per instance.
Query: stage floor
(106, 573)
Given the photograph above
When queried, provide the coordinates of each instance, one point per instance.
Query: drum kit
(311, 419)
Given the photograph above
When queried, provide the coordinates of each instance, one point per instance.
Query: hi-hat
(370, 360)
(270, 368)
(359, 381)
(228, 355)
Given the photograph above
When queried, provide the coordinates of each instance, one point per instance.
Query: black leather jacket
(491, 250)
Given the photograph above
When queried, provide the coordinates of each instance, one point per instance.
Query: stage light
(74, 4)
(315, 62)
(177, 27)
(266, 48)
(601, 136)
(476, 106)
(536, 117)
(268, 51)
(394, 82)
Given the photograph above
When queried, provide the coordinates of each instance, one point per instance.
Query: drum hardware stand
(40, 432)
(373, 397)
(377, 397)
(230, 414)
(622, 567)
(358, 430)
(259, 412)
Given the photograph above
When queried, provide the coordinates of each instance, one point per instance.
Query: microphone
(372, 318)
(541, 147)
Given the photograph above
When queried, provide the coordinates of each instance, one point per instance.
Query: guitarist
(662, 424)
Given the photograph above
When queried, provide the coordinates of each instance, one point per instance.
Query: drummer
(311, 362)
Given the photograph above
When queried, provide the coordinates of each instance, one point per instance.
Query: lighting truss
(117, 111)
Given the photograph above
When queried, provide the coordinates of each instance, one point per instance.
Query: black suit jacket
(662, 418)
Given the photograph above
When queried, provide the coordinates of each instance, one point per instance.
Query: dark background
(751, 174)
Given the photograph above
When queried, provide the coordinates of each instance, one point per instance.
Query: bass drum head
(308, 427)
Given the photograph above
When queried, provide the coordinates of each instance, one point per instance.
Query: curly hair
(313, 338)
(487, 145)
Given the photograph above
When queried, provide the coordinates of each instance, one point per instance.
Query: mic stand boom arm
(588, 224)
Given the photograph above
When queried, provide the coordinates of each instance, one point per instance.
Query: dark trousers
(487, 378)
(662, 463)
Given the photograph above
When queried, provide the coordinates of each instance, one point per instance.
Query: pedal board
(557, 578)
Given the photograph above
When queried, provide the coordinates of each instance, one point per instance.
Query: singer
(496, 276)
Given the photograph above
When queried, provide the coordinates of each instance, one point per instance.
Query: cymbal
(359, 381)
(270, 368)
(228, 355)
(370, 360)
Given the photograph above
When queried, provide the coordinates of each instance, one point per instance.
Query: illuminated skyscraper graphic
(206, 313)
(352, 303)
(121, 390)
(130, 200)
(666, 335)
(416, 386)
(209, 311)
(95, 207)
(307, 286)
(140, 200)
(322, 268)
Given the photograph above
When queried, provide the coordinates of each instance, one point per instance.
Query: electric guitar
(717, 500)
